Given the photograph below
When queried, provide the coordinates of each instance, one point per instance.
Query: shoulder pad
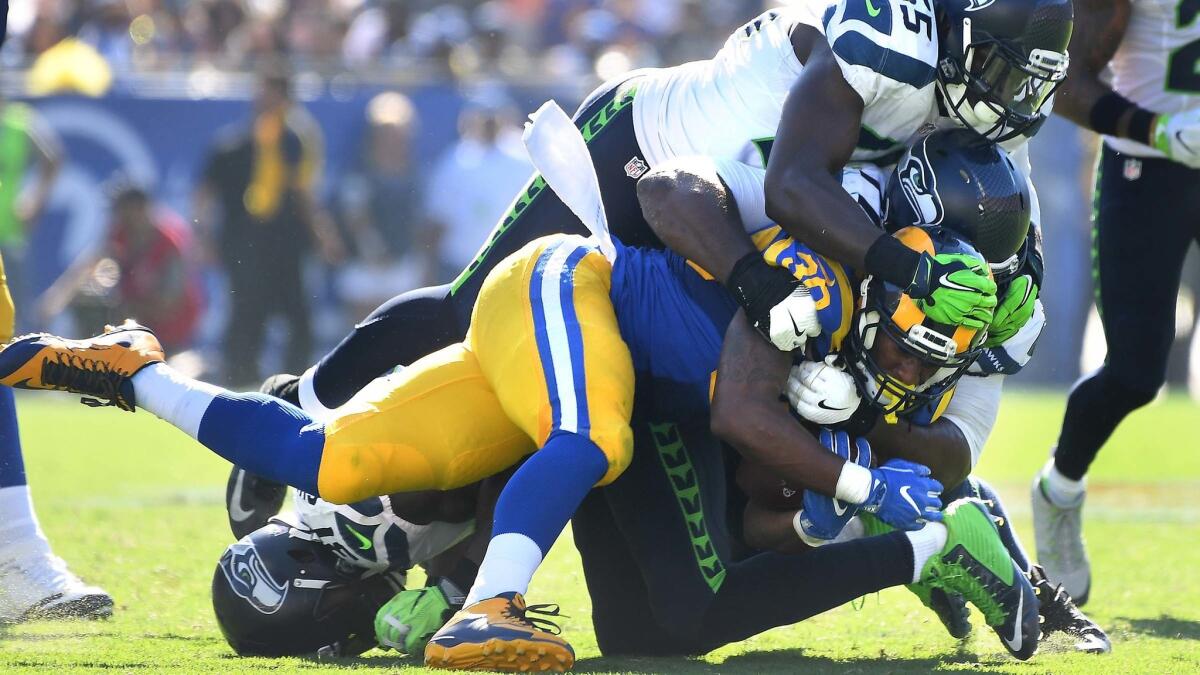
(889, 41)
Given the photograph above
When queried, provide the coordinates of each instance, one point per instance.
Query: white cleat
(41, 587)
(1058, 531)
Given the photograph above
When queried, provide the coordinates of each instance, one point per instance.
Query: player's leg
(414, 324)
(437, 425)
(1137, 272)
(547, 339)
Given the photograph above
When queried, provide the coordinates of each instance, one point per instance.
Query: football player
(315, 587)
(34, 582)
(848, 80)
(548, 366)
(1146, 177)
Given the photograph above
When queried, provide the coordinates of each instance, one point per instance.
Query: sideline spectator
(381, 214)
(261, 177)
(475, 180)
(146, 270)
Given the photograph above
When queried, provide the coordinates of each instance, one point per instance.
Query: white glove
(1178, 137)
(822, 393)
(794, 320)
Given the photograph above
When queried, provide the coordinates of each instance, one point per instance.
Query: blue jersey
(673, 316)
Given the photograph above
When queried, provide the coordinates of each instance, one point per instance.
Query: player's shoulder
(896, 39)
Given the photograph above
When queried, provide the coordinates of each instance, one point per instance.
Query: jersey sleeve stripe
(857, 49)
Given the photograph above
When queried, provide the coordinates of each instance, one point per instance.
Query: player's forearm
(1086, 100)
(692, 212)
(941, 446)
(768, 529)
(810, 204)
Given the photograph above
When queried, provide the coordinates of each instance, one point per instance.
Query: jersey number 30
(1183, 62)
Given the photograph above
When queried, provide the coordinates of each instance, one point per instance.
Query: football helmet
(954, 179)
(885, 310)
(279, 591)
(1000, 61)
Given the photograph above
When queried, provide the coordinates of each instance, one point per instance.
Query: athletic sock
(12, 464)
(20, 533)
(260, 433)
(1058, 488)
(533, 509)
(926, 543)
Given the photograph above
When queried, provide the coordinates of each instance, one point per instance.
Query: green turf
(136, 507)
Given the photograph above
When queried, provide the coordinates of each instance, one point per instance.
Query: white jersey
(729, 107)
(370, 536)
(1156, 64)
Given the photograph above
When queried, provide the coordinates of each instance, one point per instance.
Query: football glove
(955, 289)
(822, 392)
(1178, 137)
(778, 306)
(823, 517)
(903, 495)
(409, 620)
(1015, 309)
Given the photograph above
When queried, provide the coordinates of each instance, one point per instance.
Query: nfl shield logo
(1133, 169)
(635, 167)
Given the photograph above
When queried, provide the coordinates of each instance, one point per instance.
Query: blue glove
(823, 517)
(903, 495)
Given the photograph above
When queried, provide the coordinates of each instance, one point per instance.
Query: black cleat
(283, 386)
(250, 501)
(1060, 615)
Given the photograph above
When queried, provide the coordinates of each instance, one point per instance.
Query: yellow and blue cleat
(498, 634)
(98, 368)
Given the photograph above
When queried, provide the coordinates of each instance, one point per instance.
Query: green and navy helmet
(886, 310)
(955, 180)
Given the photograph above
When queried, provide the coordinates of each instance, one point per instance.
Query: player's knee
(1132, 388)
(674, 190)
(616, 442)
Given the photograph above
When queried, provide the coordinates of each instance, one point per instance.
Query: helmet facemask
(994, 88)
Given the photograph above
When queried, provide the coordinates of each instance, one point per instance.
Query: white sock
(174, 398)
(926, 543)
(1059, 489)
(308, 398)
(508, 566)
(20, 533)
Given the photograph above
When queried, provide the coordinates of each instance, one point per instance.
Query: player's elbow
(787, 191)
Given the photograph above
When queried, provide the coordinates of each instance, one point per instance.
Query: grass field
(136, 507)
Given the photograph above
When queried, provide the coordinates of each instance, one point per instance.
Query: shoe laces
(512, 611)
(80, 375)
(984, 593)
(1058, 609)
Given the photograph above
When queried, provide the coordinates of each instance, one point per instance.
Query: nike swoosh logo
(945, 282)
(904, 493)
(236, 512)
(838, 508)
(1015, 643)
(821, 405)
(364, 544)
(1179, 138)
(872, 10)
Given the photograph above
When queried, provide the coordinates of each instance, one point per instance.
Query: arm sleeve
(973, 410)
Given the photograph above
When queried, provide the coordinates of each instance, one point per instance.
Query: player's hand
(410, 618)
(903, 495)
(778, 306)
(1178, 137)
(955, 289)
(1015, 309)
(822, 393)
(823, 517)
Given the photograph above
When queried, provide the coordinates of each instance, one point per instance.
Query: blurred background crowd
(250, 177)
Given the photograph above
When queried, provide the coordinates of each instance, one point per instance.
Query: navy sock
(12, 464)
(545, 492)
(266, 436)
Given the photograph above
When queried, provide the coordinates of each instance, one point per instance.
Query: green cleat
(975, 565)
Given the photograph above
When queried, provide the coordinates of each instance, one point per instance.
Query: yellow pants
(8, 314)
(543, 354)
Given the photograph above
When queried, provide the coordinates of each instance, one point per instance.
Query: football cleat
(251, 501)
(975, 564)
(1060, 615)
(41, 587)
(1058, 532)
(283, 386)
(99, 368)
(499, 634)
(951, 609)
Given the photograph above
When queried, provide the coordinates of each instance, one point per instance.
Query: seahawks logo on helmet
(919, 185)
(250, 580)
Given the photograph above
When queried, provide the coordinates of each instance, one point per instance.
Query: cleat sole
(500, 655)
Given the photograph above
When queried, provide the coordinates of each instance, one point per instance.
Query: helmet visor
(1005, 78)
